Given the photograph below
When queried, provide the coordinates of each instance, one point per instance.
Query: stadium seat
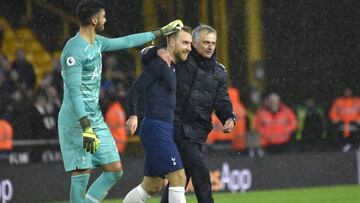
(24, 38)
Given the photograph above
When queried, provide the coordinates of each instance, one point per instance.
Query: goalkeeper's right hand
(91, 141)
(172, 27)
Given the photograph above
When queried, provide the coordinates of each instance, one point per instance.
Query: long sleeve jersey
(157, 84)
(81, 64)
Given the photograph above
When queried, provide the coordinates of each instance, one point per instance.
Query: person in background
(275, 123)
(44, 113)
(115, 118)
(344, 115)
(6, 139)
(1, 36)
(7, 84)
(310, 134)
(240, 130)
(24, 69)
(54, 78)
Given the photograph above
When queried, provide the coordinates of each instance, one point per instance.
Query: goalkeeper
(85, 139)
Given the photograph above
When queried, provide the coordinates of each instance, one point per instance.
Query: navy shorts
(161, 153)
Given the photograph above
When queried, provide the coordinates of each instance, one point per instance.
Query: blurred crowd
(28, 111)
(274, 127)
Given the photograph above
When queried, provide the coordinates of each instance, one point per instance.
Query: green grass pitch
(332, 194)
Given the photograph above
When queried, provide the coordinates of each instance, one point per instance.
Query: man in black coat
(201, 89)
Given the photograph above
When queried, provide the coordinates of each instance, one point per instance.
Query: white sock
(177, 195)
(136, 195)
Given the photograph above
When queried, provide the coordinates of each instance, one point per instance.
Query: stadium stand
(24, 38)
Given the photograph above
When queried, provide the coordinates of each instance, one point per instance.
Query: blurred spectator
(53, 99)
(24, 69)
(114, 82)
(311, 133)
(22, 121)
(44, 112)
(7, 84)
(115, 118)
(21, 105)
(275, 123)
(345, 117)
(1, 36)
(36, 119)
(236, 138)
(6, 108)
(6, 137)
(54, 78)
(115, 92)
(239, 131)
(111, 70)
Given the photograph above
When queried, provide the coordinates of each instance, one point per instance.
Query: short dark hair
(86, 9)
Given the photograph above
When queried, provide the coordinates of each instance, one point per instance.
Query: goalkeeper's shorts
(74, 155)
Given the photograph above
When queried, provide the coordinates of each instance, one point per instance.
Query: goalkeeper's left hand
(172, 27)
(91, 141)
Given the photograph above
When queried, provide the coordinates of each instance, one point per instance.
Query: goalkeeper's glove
(91, 141)
(172, 27)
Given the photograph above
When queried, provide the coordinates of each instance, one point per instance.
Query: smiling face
(179, 45)
(182, 45)
(205, 44)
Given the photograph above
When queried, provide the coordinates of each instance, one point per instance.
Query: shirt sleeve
(129, 41)
(135, 91)
(72, 71)
(148, 53)
(157, 68)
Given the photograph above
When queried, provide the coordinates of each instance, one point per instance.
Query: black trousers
(196, 169)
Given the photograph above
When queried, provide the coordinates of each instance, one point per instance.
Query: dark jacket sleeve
(148, 53)
(223, 106)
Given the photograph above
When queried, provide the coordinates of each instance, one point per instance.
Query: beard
(99, 28)
(180, 55)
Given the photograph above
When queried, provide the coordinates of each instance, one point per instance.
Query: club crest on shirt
(173, 160)
(70, 61)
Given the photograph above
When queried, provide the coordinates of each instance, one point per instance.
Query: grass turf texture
(333, 194)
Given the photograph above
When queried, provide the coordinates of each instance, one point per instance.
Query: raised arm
(130, 41)
(148, 53)
(134, 40)
(151, 52)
